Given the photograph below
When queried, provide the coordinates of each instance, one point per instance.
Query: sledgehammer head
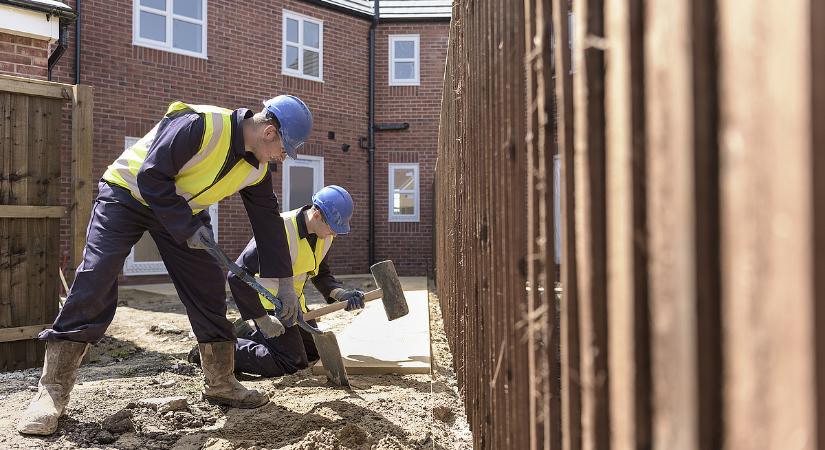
(395, 304)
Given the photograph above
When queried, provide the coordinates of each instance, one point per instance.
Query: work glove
(290, 307)
(269, 327)
(201, 239)
(353, 297)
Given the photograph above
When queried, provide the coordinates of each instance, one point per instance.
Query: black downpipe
(77, 44)
(371, 134)
(62, 41)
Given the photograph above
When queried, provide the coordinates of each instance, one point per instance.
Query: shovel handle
(337, 306)
(224, 260)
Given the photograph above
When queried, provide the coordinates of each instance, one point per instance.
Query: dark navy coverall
(119, 220)
(291, 351)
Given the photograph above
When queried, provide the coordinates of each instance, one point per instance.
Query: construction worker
(310, 231)
(194, 157)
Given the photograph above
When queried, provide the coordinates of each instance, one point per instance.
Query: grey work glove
(269, 327)
(290, 307)
(353, 297)
(201, 238)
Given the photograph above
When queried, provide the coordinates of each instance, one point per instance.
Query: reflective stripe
(254, 175)
(217, 129)
(327, 245)
(292, 236)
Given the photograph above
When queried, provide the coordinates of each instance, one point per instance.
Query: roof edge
(368, 16)
(63, 13)
(385, 19)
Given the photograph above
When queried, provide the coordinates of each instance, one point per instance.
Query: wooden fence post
(82, 127)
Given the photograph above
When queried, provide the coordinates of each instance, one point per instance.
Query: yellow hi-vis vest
(305, 261)
(196, 180)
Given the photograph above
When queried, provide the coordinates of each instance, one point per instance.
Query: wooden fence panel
(692, 222)
(29, 147)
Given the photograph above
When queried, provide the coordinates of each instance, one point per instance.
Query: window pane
(403, 179)
(146, 250)
(403, 204)
(186, 36)
(291, 57)
(311, 63)
(404, 71)
(300, 186)
(152, 26)
(405, 49)
(292, 30)
(188, 8)
(312, 34)
(157, 4)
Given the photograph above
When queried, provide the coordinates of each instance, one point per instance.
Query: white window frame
(315, 162)
(416, 59)
(167, 46)
(301, 19)
(135, 268)
(392, 217)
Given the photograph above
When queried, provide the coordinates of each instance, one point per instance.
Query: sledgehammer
(325, 341)
(389, 289)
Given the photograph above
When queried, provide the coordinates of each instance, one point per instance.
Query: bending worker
(194, 157)
(310, 231)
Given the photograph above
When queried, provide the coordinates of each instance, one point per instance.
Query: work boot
(59, 374)
(194, 355)
(218, 364)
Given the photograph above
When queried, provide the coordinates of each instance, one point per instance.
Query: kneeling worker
(273, 351)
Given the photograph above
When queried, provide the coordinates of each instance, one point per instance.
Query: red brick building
(142, 54)
(30, 33)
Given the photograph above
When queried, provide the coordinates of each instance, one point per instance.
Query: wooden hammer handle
(337, 306)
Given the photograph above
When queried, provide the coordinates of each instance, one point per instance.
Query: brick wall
(133, 86)
(409, 244)
(24, 57)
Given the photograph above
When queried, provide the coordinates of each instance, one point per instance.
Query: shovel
(326, 342)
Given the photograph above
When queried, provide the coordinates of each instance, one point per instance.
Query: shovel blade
(330, 353)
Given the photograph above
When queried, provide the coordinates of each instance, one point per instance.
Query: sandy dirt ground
(144, 356)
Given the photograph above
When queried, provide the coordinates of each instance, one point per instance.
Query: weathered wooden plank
(32, 212)
(5, 273)
(37, 88)
(817, 41)
(21, 333)
(19, 231)
(590, 213)
(5, 146)
(82, 134)
(569, 320)
(706, 200)
(767, 261)
(672, 243)
(626, 232)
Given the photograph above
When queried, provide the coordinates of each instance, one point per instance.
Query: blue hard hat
(336, 205)
(295, 120)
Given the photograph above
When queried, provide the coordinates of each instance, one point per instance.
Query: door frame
(314, 162)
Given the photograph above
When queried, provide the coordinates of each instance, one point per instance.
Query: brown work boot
(59, 374)
(218, 364)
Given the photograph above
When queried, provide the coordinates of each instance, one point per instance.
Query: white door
(144, 259)
(302, 178)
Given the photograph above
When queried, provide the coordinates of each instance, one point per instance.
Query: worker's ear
(271, 133)
(316, 214)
